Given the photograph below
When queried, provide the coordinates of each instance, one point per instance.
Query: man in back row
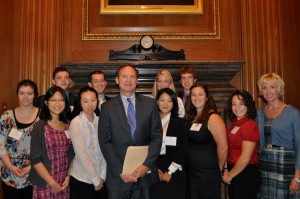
(97, 80)
(187, 78)
(61, 78)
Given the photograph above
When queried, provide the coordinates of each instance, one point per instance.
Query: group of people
(60, 146)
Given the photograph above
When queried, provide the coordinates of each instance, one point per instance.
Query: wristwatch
(297, 180)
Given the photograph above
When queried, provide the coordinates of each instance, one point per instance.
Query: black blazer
(115, 137)
(176, 153)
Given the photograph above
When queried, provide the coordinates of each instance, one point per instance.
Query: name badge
(234, 130)
(196, 127)
(14, 133)
(67, 132)
(170, 141)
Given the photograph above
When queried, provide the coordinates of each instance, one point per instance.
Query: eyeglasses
(60, 101)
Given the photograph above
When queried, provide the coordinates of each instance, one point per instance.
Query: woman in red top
(241, 172)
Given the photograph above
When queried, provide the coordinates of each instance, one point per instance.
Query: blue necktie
(131, 117)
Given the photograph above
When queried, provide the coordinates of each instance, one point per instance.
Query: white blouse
(89, 165)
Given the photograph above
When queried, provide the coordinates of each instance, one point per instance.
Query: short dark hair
(59, 69)
(123, 66)
(28, 82)
(90, 89)
(45, 112)
(187, 69)
(173, 97)
(96, 72)
(248, 102)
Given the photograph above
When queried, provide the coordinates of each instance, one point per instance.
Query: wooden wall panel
(290, 23)
(261, 41)
(40, 43)
(270, 44)
(36, 36)
(227, 48)
(8, 74)
(31, 42)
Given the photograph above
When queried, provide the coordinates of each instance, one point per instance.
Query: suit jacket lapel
(119, 107)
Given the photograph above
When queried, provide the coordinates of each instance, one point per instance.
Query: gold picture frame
(92, 32)
(106, 8)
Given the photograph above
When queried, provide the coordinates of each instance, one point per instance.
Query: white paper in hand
(135, 156)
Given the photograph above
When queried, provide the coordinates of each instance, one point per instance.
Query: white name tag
(170, 141)
(14, 133)
(234, 130)
(196, 127)
(67, 132)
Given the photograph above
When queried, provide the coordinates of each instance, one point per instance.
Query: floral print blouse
(17, 150)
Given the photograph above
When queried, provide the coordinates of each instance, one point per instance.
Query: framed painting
(151, 7)
(122, 22)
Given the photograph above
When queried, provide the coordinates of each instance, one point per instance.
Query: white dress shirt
(89, 165)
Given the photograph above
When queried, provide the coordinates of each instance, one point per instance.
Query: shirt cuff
(174, 167)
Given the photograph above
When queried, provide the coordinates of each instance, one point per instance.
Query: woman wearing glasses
(51, 150)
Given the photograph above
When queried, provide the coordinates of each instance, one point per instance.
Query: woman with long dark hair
(207, 145)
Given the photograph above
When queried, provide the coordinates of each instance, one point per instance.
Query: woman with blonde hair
(279, 125)
(164, 79)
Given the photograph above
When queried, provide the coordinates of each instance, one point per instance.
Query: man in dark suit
(97, 81)
(60, 77)
(187, 78)
(115, 136)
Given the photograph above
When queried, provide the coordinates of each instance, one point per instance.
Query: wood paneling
(9, 72)
(40, 43)
(262, 41)
(36, 36)
(270, 44)
(30, 44)
(290, 28)
(227, 48)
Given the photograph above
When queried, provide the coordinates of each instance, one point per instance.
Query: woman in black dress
(173, 151)
(207, 145)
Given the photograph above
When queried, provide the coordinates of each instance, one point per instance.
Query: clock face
(146, 42)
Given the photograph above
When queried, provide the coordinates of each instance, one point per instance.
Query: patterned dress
(57, 146)
(17, 150)
(277, 166)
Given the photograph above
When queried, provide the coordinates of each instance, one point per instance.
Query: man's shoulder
(144, 98)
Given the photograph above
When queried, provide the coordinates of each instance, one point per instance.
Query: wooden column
(40, 40)
(261, 42)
